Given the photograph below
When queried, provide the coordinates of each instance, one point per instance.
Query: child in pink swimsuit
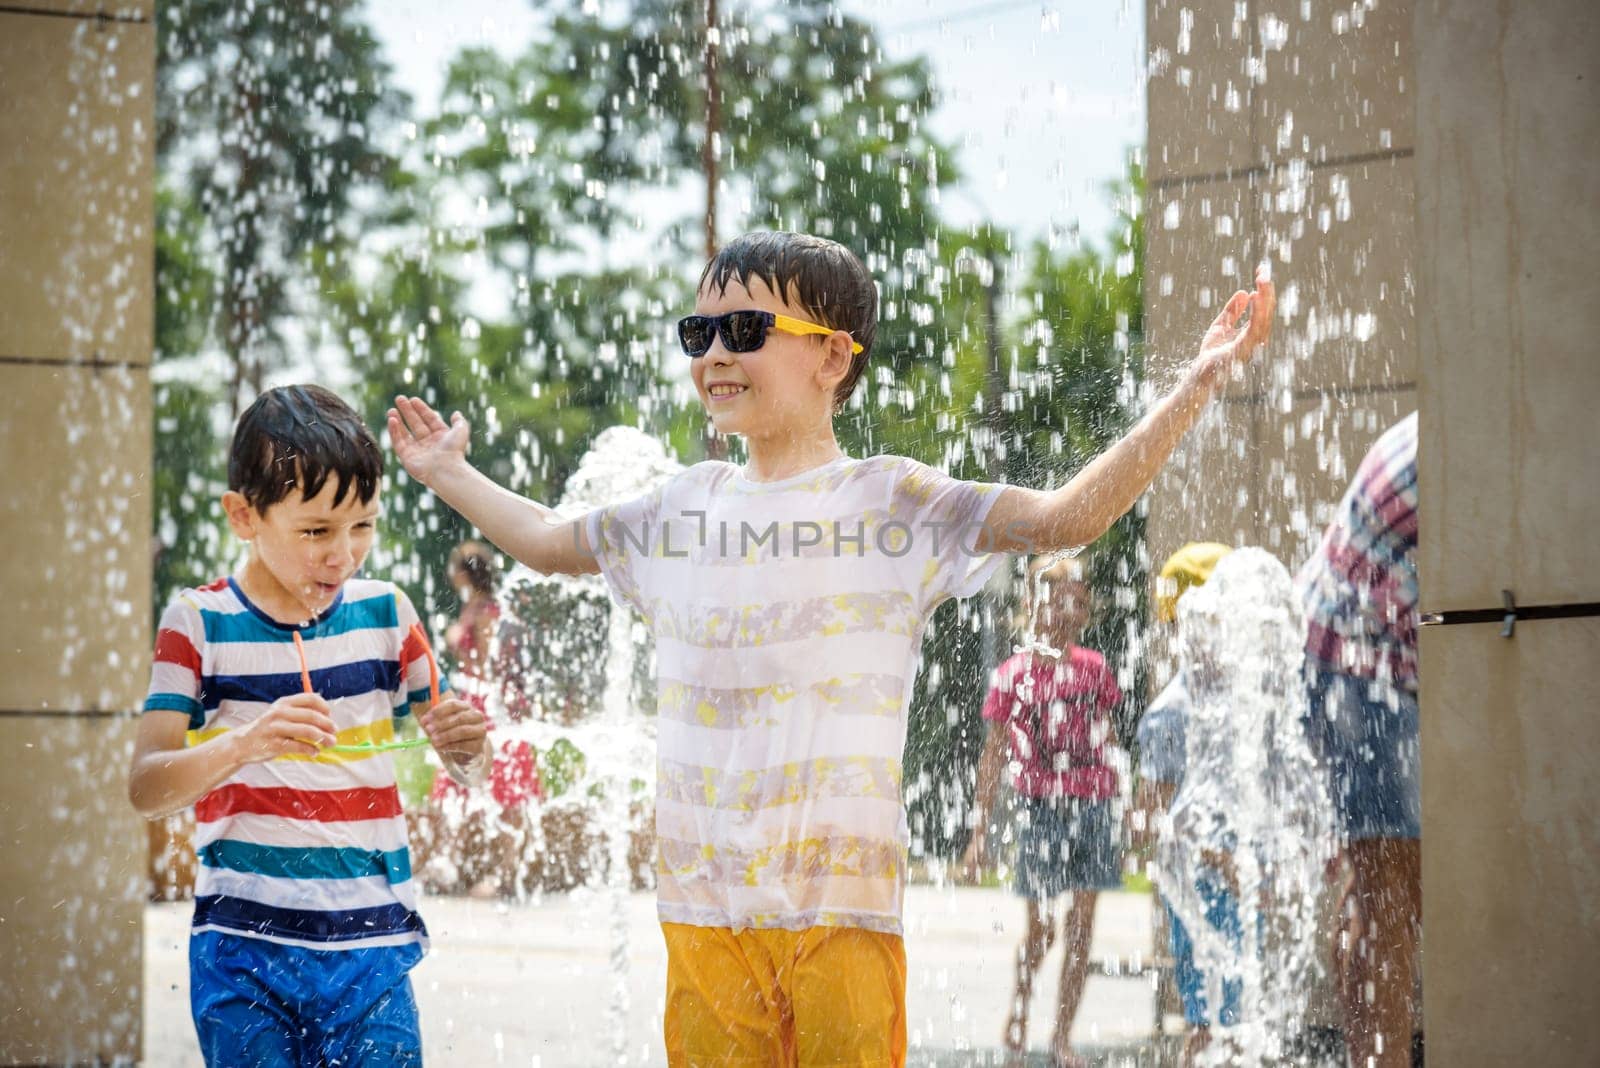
(514, 776)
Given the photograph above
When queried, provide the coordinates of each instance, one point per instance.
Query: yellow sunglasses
(743, 331)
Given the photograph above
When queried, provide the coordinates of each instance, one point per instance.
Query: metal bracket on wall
(1509, 613)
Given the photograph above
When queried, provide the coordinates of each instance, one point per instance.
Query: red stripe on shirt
(325, 806)
(413, 650)
(174, 647)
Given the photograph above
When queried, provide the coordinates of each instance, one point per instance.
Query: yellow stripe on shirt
(377, 733)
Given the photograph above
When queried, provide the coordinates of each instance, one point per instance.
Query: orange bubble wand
(433, 665)
(305, 671)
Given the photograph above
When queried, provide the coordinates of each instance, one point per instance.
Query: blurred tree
(820, 131)
(269, 116)
(189, 540)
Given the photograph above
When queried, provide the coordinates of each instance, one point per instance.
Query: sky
(1042, 100)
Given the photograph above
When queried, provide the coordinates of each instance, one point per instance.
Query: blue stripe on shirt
(177, 702)
(342, 680)
(307, 862)
(371, 613)
(343, 925)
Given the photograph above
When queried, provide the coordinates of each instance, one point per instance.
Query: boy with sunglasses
(788, 599)
(272, 704)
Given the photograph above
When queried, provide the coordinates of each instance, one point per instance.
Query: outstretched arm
(1025, 520)
(435, 453)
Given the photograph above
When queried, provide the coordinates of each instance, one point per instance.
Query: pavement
(531, 983)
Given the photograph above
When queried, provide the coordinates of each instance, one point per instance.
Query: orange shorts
(825, 995)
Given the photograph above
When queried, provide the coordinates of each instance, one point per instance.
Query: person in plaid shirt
(1360, 597)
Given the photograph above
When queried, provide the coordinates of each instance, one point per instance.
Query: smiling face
(784, 389)
(302, 551)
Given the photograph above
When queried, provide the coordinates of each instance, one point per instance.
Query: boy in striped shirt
(273, 695)
(788, 599)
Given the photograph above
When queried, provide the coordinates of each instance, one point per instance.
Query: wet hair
(299, 437)
(475, 560)
(821, 277)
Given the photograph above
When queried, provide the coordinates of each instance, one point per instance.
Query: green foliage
(561, 765)
(191, 540)
(818, 128)
(529, 134)
(268, 116)
(184, 300)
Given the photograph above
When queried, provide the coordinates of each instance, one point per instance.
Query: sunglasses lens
(695, 333)
(744, 331)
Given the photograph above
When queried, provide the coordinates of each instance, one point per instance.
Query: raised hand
(423, 441)
(297, 725)
(1230, 343)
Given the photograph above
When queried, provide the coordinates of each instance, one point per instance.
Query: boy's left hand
(1230, 343)
(456, 729)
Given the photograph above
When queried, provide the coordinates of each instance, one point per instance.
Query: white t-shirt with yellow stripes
(788, 617)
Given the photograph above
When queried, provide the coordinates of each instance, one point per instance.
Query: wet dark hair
(821, 277)
(475, 560)
(301, 436)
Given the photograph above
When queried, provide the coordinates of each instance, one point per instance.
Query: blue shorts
(1066, 843)
(1366, 733)
(1222, 912)
(258, 1003)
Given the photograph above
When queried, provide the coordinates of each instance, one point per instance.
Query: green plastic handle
(377, 747)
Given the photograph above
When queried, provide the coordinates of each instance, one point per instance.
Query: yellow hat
(1188, 567)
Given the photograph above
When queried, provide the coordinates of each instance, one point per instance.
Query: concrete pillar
(1508, 300)
(1280, 130)
(76, 185)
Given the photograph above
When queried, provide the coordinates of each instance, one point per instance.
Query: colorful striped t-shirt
(308, 851)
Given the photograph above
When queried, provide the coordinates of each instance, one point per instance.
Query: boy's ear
(241, 517)
(836, 357)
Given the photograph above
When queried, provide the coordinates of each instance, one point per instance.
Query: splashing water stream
(617, 739)
(1252, 821)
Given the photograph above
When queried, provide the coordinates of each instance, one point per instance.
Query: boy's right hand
(423, 441)
(1228, 344)
(297, 725)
